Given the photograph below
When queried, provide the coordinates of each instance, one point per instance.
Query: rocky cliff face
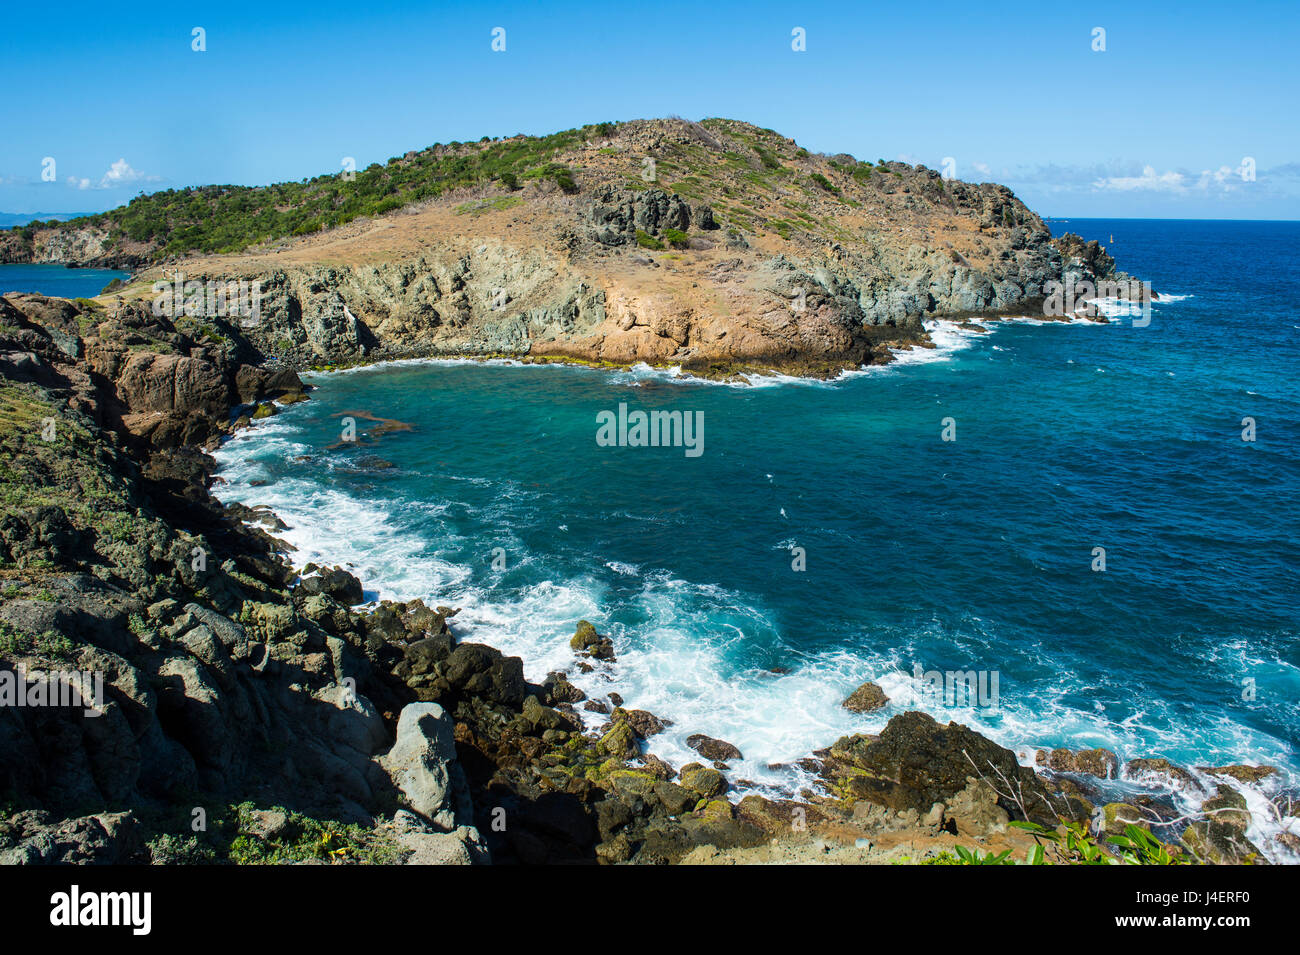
(296, 726)
(717, 246)
(592, 293)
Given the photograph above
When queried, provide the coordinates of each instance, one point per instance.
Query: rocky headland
(716, 246)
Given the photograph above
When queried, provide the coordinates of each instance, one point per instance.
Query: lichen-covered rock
(620, 741)
(704, 781)
(916, 762)
(587, 641)
(867, 698)
(1219, 843)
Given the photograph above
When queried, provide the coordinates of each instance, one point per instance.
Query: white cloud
(119, 173)
(1150, 180)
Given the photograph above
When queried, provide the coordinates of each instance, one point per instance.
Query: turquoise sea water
(973, 554)
(57, 280)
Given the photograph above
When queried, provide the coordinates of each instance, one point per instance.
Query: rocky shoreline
(299, 726)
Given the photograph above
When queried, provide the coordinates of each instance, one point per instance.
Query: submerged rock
(1161, 771)
(1101, 763)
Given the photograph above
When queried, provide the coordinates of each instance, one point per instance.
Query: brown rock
(866, 699)
(1162, 770)
(713, 749)
(1242, 774)
(1101, 763)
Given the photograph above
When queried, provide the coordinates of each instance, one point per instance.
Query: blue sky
(1158, 124)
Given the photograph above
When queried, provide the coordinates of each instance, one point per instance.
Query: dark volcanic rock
(711, 748)
(336, 583)
(915, 763)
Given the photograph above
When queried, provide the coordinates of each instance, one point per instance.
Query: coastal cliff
(716, 246)
(295, 725)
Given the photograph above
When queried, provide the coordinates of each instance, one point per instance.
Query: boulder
(1239, 772)
(424, 845)
(704, 781)
(559, 690)
(1101, 763)
(620, 741)
(334, 582)
(1160, 771)
(643, 723)
(714, 749)
(474, 669)
(866, 699)
(975, 810)
(916, 762)
(422, 761)
(587, 641)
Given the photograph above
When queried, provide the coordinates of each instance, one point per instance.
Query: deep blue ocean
(57, 280)
(974, 554)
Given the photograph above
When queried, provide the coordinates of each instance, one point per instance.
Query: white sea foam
(680, 661)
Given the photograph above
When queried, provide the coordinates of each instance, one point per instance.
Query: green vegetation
(16, 643)
(647, 241)
(223, 218)
(676, 238)
(1074, 846)
(825, 183)
(240, 835)
(768, 158)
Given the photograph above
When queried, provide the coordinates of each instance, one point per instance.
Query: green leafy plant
(1077, 846)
